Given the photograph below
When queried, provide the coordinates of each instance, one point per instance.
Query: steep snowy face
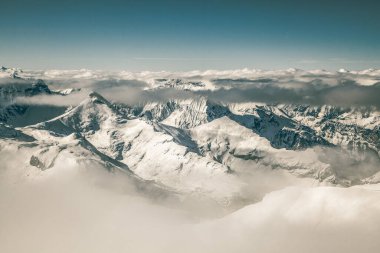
(96, 120)
(274, 127)
(233, 144)
(293, 127)
(183, 114)
(236, 146)
(195, 112)
(159, 111)
(280, 130)
(277, 127)
(41, 154)
(356, 129)
(92, 115)
(152, 151)
(285, 126)
(168, 155)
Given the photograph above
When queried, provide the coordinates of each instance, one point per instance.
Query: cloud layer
(85, 212)
(83, 208)
(292, 86)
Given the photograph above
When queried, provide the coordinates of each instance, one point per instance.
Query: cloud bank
(83, 208)
(346, 94)
(292, 86)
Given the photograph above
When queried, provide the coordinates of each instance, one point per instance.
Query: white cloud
(83, 208)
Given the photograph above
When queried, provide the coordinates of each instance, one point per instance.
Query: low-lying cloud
(83, 208)
(344, 94)
(272, 87)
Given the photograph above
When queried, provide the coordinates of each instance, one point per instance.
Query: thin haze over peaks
(185, 35)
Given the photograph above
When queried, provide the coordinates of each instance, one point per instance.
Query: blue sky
(184, 35)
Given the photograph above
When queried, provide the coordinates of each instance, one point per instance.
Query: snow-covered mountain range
(192, 144)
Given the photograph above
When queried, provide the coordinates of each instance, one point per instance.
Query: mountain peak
(97, 98)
